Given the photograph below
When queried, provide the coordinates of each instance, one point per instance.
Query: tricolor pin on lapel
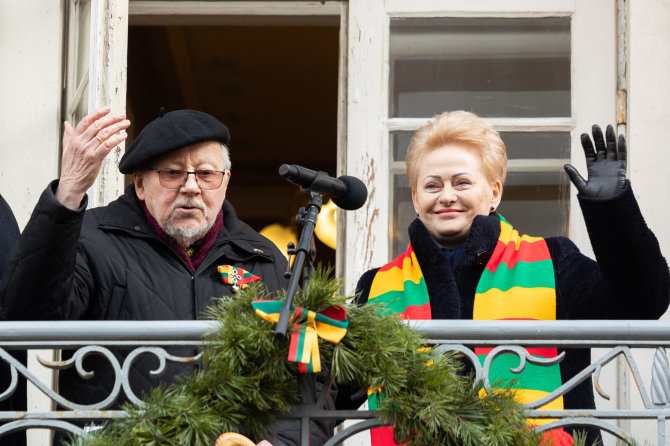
(239, 278)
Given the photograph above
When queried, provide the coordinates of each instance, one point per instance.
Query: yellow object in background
(326, 225)
(325, 230)
(280, 235)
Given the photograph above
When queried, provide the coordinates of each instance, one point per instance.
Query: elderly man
(153, 254)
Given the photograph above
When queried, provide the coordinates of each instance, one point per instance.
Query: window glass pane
(538, 145)
(399, 143)
(494, 67)
(536, 203)
(82, 42)
(403, 214)
(82, 107)
(520, 145)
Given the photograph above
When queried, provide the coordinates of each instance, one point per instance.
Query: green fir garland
(245, 382)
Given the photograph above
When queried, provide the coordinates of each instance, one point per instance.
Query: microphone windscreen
(355, 196)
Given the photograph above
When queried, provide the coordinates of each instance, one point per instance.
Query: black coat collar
(444, 284)
(481, 240)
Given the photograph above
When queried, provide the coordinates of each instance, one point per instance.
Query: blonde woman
(464, 261)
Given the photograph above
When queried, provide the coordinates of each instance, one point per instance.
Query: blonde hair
(466, 130)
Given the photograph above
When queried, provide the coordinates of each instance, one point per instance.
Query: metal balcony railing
(615, 339)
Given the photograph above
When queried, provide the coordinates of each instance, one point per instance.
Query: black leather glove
(606, 166)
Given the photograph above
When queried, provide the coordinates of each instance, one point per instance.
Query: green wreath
(245, 382)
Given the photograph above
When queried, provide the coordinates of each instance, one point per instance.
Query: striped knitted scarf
(517, 283)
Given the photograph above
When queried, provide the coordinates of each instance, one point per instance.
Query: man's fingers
(68, 130)
(91, 118)
(113, 129)
(116, 139)
(102, 124)
(107, 145)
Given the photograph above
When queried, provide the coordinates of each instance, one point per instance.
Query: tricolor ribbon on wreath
(330, 324)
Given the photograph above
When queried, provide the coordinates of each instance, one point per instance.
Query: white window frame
(108, 74)
(105, 80)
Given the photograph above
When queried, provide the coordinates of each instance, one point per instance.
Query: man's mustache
(189, 203)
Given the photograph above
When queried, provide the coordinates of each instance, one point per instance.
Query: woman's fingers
(599, 141)
(611, 143)
(622, 148)
(589, 152)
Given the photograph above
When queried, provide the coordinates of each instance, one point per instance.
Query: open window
(525, 66)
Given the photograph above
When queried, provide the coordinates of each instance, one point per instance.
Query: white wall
(30, 67)
(648, 126)
(30, 55)
(649, 112)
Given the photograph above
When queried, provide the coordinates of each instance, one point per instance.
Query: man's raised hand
(84, 149)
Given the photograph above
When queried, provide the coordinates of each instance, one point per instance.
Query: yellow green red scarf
(517, 283)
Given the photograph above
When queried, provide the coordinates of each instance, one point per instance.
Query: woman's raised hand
(606, 165)
(84, 149)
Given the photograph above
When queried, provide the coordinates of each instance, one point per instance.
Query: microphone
(348, 193)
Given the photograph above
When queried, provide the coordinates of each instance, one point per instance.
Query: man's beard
(186, 236)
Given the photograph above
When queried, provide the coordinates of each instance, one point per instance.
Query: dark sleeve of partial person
(630, 279)
(9, 232)
(363, 286)
(9, 236)
(351, 397)
(40, 281)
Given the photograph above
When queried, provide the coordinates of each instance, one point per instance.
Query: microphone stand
(317, 183)
(308, 219)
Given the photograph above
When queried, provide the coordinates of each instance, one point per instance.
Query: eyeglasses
(174, 179)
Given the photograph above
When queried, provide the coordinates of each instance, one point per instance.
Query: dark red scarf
(199, 248)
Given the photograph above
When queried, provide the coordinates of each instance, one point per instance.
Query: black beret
(169, 132)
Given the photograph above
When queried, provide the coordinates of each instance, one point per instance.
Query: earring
(493, 208)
